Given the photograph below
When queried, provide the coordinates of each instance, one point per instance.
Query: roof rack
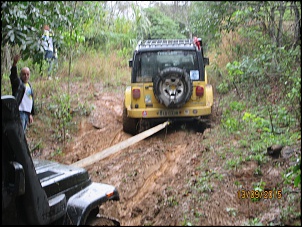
(165, 42)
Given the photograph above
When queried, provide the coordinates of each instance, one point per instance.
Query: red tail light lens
(136, 93)
(199, 91)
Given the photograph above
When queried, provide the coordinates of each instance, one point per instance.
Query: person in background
(47, 42)
(23, 92)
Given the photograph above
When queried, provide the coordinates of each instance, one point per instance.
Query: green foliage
(102, 32)
(255, 77)
(256, 122)
(237, 106)
(290, 212)
(141, 24)
(85, 108)
(57, 152)
(223, 88)
(231, 124)
(231, 117)
(297, 174)
(66, 19)
(289, 63)
(259, 187)
(205, 20)
(231, 211)
(186, 222)
(234, 69)
(18, 27)
(234, 163)
(203, 182)
(38, 146)
(61, 112)
(159, 24)
(5, 85)
(254, 222)
(263, 131)
(293, 174)
(171, 201)
(255, 131)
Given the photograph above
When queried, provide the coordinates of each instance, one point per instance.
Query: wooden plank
(120, 146)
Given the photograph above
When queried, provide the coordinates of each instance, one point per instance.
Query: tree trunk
(280, 26)
(297, 32)
(272, 25)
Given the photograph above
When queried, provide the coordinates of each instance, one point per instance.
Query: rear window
(151, 63)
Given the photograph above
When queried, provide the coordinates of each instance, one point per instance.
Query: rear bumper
(185, 112)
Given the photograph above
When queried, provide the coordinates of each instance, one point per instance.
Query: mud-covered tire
(129, 124)
(173, 87)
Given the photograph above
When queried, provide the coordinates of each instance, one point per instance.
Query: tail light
(109, 194)
(136, 93)
(199, 91)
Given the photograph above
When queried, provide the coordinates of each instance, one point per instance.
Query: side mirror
(206, 61)
(130, 63)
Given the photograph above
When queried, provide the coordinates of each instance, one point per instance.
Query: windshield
(151, 63)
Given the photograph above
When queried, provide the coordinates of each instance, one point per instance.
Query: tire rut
(162, 168)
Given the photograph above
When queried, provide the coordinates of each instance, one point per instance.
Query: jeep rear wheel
(129, 124)
(173, 87)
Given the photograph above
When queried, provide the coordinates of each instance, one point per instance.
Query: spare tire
(172, 87)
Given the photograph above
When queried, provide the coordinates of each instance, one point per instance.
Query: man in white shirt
(23, 92)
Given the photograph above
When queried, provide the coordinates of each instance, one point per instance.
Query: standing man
(23, 92)
(47, 43)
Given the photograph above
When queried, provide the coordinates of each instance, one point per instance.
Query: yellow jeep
(168, 82)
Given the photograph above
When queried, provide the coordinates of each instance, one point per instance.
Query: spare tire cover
(172, 87)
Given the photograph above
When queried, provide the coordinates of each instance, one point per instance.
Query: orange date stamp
(257, 194)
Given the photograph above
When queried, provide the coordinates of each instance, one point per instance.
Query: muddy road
(171, 177)
(149, 175)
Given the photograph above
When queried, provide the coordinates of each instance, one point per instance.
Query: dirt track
(170, 178)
